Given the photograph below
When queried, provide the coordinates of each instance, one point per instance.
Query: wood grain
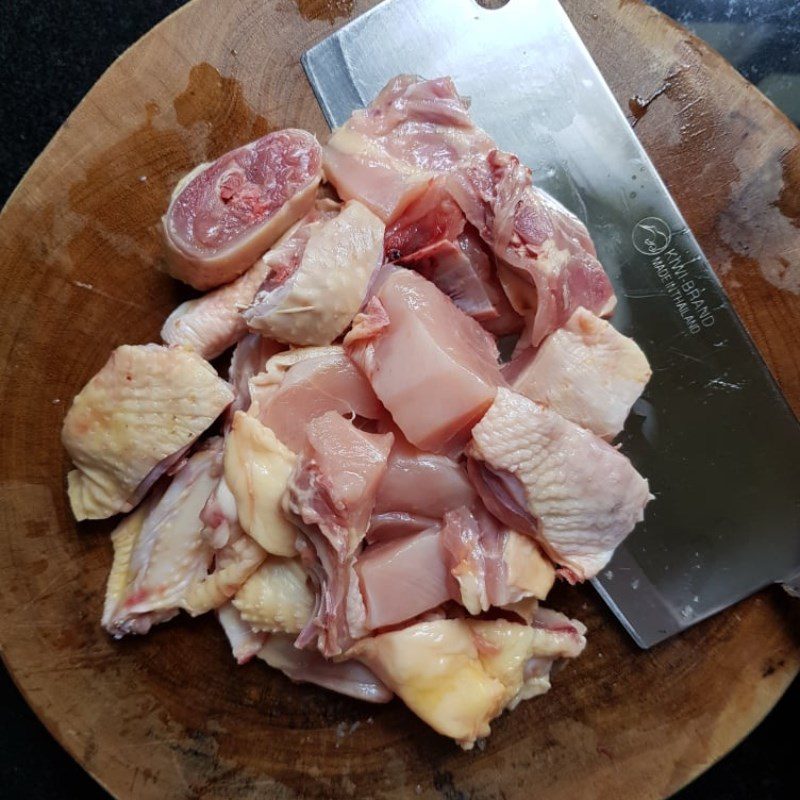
(170, 715)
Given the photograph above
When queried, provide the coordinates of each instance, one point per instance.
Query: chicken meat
(410, 323)
(134, 421)
(225, 215)
(313, 300)
(586, 371)
(548, 477)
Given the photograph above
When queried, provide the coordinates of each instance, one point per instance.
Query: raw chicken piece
(133, 421)
(435, 669)
(276, 598)
(459, 674)
(416, 491)
(549, 263)
(429, 219)
(334, 483)
(249, 358)
(245, 642)
(257, 468)
(234, 563)
(212, 323)
(386, 154)
(403, 578)
(302, 384)
(350, 678)
(471, 558)
(433, 367)
(508, 649)
(466, 273)
(544, 475)
(223, 216)
(236, 555)
(160, 552)
(430, 236)
(587, 372)
(314, 303)
(492, 565)
(331, 494)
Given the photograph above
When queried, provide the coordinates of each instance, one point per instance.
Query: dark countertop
(50, 55)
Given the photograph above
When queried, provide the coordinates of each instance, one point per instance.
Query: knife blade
(712, 432)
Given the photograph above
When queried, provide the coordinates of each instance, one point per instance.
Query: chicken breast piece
(305, 383)
(433, 368)
(277, 597)
(257, 469)
(416, 491)
(334, 483)
(160, 551)
(315, 303)
(577, 495)
(350, 678)
(225, 215)
(470, 558)
(586, 371)
(133, 421)
(403, 577)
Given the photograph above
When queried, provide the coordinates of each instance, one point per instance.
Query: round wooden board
(170, 715)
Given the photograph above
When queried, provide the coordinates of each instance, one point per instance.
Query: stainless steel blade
(712, 432)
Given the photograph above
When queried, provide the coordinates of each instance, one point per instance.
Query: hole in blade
(491, 4)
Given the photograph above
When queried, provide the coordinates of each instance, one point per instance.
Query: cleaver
(712, 432)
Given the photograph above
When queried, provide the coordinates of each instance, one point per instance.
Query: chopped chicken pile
(380, 506)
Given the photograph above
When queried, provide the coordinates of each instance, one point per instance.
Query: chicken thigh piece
(314, 302)
(547, 477)
(433, 367)
(225, 215)
(586, 371)
(133, 421)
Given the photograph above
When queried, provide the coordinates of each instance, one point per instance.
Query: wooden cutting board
(170, 715)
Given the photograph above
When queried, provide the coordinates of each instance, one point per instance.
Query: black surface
(52, 51)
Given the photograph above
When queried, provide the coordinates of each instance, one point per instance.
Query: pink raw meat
(330, 494)
(544, 475)
(224, 215)
(433, 367)
(549, 266)
(417, 490)
(329, 381)
(385, 155)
